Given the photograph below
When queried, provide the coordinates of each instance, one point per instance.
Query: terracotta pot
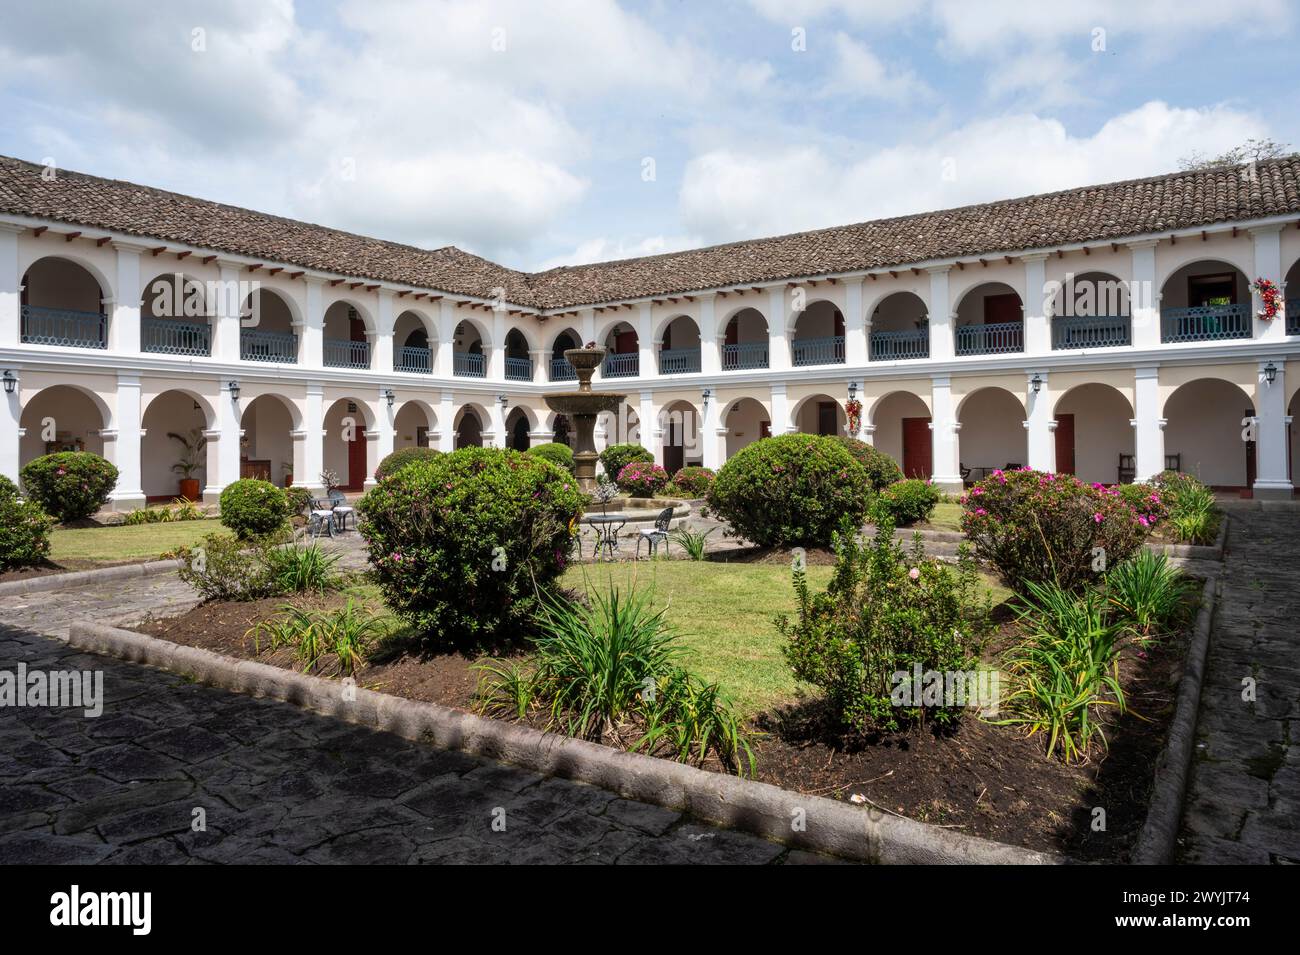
(288, 480)
(190, 489)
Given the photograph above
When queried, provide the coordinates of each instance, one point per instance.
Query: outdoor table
(606, 527)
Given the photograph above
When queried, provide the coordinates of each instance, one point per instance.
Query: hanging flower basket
(1270, 297)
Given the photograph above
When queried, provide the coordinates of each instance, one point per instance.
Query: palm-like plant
(192, 445)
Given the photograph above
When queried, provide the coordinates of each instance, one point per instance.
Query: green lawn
(946, 516)
(121, 543)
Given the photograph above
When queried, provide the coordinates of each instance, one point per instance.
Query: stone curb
(1197, 551)
(78, 578)
(833, 827)
(1155, 843)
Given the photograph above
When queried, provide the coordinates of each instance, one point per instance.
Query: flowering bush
(253, 508)
(881, 468)
(907, 502)
(1147, 502)
(400, 458)
(1045, 528)
(463, 544)
(618, 456)
(642, 478)
(694, 481)
(24, 529)
(791, 489)
(69, 485)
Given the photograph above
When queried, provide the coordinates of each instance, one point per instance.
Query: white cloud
(857, 71)
(604, 249)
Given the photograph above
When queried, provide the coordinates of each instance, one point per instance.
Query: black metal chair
(653, 536)
(1127, 469)
(1173, 462)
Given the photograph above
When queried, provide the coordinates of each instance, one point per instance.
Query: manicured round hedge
(401, 458)
(558, 454)
(694, 481)
(24, 529)
(791, 489)
(69, 485)
(618, 456)
(462, 544)
(253, 508)
(881, 468)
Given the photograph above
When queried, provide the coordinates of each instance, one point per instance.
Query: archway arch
(414, 425)
(900, 327)
(266, 448)
(747, 420)
(267, 328)
(1091, 310)
(900, 427)
(470, 423)
(1205, 300)
(819, 414)
(348, 424)
(414, 335)
(175, 316)
(992, 433)
(623, 346)
(519, 363)
(560, 369)
(63, 303)
(1094, 435)
(176, 412)
(1203, 433)
(817, 337)
(679, 352)
(683, 442)
(469, 349)
(745, 339)
(348, 336)
(520, 423)
(990, 320)
(62, 418)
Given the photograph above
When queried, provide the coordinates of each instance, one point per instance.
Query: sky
(548, 133)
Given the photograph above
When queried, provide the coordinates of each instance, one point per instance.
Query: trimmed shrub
(222, 567)
(881, 468)
(298, 499)
(1045, 528)
(694, 481)
(642, 479)
(1147, 502)
(791, 489)
(69, 485)
(7, 487)
(618, 456)
(401, 458)
(24, 530)
(253, 508)
(463, 544)
(558, 454)
(907, 502)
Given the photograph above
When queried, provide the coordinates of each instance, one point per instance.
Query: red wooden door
(1250, 458)
(1065, 444)
(1002, 308)
(625, 343)
(357, 460)
(356, 329)
(918, 452)
(826, 417)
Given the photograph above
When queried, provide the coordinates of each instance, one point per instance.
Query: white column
(225, 314)
(939, 308)
(313, 439)
(1038, 327)
(381, 358)
(943, 434)
(10, 282)
(587, 326)
(11, 412)
(855, 325)
(541, 366)
(712, 435)
(384, 430)
(497, 422)
(1039, 423)
(1148, 426)
(778, 343)
(780, 410)
(129, 492)
(496, 354)
(447, 419)
(710, 336)
(1268, 265)
(442, 359)
(868, 434)
(1271, 420)
(647, 346)
(311, 331)
(1144, 297)
(649, 425)
(223, 444)
(124, 325)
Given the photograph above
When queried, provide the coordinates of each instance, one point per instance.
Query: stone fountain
(582, 407)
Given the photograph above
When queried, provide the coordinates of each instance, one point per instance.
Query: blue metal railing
(625, 365)
(1205, 323)
(519, 369)
(998, 339)
(900, 346)
(468, 364)
(817, 351)
(1293, 316)
(413, 359)
(340, 353)
(561, 370)
(1094, 331)
(679, 361)
(64, 326)
(268, 346)
(167, 337)
(744, 355)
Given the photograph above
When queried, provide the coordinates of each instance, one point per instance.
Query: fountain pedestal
(582, 407)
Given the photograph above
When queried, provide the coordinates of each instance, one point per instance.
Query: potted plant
(192, 446)
(287, 468)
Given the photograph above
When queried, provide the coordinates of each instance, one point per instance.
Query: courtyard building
(1111, 331)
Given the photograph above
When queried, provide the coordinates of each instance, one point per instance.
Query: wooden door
(674, 453)
(765, 429)
(356, 329)
(625, 343)
(1065, 444)
(1002, 308)
(357, 460)
(826, 417)
(918, 451)
(1250, 455)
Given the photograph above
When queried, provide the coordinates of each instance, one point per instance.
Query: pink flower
(980, 511)
(1098, 517)
(977, 491)
(914, 573)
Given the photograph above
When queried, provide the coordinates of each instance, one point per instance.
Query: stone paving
(276, 783)
(1243, 802)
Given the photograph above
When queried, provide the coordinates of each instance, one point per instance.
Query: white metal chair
(653, 536)
(342, 510)
(320, 518)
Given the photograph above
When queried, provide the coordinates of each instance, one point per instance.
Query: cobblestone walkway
(1243, 804)
(276, 783)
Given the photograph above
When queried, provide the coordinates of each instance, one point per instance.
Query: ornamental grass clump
(1193, 514)
(1032, 526)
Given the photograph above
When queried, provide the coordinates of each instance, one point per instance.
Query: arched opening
(820, 414)
(519, 366)
(746, 421)
(266, 333)
(266, 448)
(990, 321)
(683, 443)
(622, 346)
(1205, 301)
(818, 337)
(1094, 439)
(519, 429)
(1091, 310)
(680, 352)
(468, 360)
(346, 450)
(469, 428)
(347, 340)
(900, 328)
(1292, 293)
(745, 341)
(411, 349)
(901, 429)
(562, 431)
(175, 317)
(560, 369)
(992, 433)
(1203, 433)
(62, 304)
(166, 461)
(412, 426)
(61, 418)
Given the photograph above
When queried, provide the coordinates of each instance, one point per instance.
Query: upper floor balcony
(1100, 331)
(1000, 338)
(256, 345)
(64, 327)
(346, 354)
(1205, 323)
(900, 346)
(679, 361)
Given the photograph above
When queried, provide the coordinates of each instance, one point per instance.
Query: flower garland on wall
(853, 410)
(1270, 296)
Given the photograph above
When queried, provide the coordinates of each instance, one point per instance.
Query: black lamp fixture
(853, 390)
(706, 395)
(232, 386)
(11, 382)
(389, 396)
(502, 400)
(1036, 383)
(1270, 374)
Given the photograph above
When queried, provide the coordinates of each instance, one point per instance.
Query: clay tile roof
(1089, 214)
